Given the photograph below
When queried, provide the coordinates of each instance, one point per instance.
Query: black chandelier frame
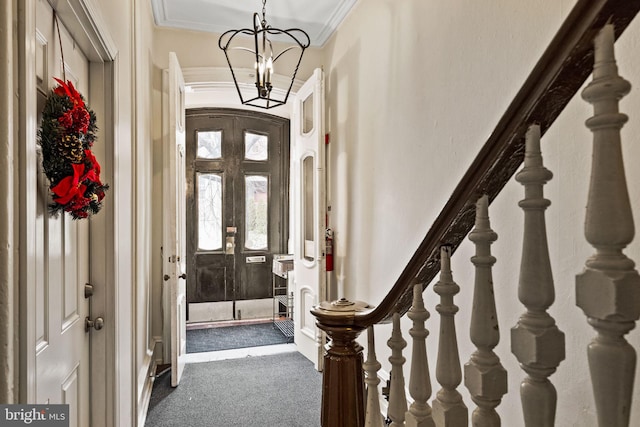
(264, 58)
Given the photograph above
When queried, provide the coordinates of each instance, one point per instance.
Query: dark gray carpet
(282, 390)
(230, 337)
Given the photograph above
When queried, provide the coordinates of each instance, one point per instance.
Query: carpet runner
(231, 337)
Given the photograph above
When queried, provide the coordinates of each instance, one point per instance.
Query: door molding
(8, 238)
(83, 19)
(212, 87)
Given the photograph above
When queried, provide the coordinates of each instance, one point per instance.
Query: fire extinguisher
(329, 249)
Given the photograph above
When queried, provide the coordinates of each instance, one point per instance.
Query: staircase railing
(560, 72)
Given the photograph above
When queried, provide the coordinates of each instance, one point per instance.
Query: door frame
(84, 21)
(214, 91)
(284, 166)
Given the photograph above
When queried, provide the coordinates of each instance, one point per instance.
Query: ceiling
(319, 18)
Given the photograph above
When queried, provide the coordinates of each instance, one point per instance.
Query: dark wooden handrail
(558, 75)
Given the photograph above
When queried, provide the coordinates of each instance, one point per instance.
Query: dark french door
(237, 202)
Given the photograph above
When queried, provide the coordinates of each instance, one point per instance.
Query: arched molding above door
(213, 87)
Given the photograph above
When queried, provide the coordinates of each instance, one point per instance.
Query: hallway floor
(248, 387)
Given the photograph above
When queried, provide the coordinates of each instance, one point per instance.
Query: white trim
(158, 349)
(28, 188)
(384, 377)
(213, 76)
(85, 22)
(102, 249)
(145, 394)
(8, 238)
(146, 377)
(332, 24)
(159, 12)
(240, 353)
(213, 87)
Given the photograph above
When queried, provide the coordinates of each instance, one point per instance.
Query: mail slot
(256, 259)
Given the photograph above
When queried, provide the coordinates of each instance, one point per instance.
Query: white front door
(309, 202)
(174, 225)
(62, 253)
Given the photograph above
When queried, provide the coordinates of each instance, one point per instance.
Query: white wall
(414, 89)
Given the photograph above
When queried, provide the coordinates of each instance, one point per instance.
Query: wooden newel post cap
(339, 312)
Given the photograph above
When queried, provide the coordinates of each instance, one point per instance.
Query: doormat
(231, 337)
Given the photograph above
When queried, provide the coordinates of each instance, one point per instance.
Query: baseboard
(149, 369)
(158, 350)
(383, 376)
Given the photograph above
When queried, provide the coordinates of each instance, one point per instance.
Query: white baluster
(373, 416)
(448, 408)
(397, 396)
(536, 341)
(608, 290)
(484, 375)
(419, 414)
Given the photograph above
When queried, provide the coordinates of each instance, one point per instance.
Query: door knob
(88, 290)
(183, 276)
(95, 324)
(166, 277)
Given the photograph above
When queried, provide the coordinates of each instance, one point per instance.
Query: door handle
(166, 277)
(230, 245)
(88, 290)
(183, 276)
(95, 324)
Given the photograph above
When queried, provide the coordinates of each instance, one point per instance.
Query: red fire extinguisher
(329, 249)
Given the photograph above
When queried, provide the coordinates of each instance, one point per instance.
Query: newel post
(342, 377)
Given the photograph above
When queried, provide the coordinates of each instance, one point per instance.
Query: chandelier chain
(264, 13)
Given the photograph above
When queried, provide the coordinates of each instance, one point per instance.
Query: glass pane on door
(256, 147)
(307, 114)
(308, 208)
(209, 144)
(256, 212)
(209, 211)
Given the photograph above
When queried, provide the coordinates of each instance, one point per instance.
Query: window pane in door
(256, 147)
(256, 211)
(307, 114)
(209, 144)
(209, 211)
(308, 208)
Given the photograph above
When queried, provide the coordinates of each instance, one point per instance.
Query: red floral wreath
(66, 136)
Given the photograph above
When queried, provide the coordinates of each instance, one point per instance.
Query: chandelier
(264, 60)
